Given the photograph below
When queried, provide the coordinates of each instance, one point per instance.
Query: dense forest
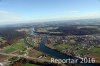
(10, 35)
(73, 30)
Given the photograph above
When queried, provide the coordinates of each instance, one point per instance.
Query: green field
(14, 47)
(61, 47)
(95, 52)
(0, 38)
(30, 64)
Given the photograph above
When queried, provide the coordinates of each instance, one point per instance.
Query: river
(43, 48)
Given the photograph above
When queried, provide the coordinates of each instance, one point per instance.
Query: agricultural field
(18, 46)
(30, 64)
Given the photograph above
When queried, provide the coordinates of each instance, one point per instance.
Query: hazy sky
(16, 11)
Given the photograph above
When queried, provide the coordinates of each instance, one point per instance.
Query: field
(3, 57)
(14, 47)
(61, 47)
(30, 64)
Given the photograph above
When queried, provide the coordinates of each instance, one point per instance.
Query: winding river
(43, 48)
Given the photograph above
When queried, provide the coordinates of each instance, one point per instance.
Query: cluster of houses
(82, 42)
(83, 39)
(77, 42)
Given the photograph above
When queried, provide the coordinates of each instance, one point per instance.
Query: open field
(27, 64)
(14, 47)
(3, 57)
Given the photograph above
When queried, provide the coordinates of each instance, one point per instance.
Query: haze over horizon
(23, 11)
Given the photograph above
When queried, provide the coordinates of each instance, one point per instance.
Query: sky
(24, 11)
